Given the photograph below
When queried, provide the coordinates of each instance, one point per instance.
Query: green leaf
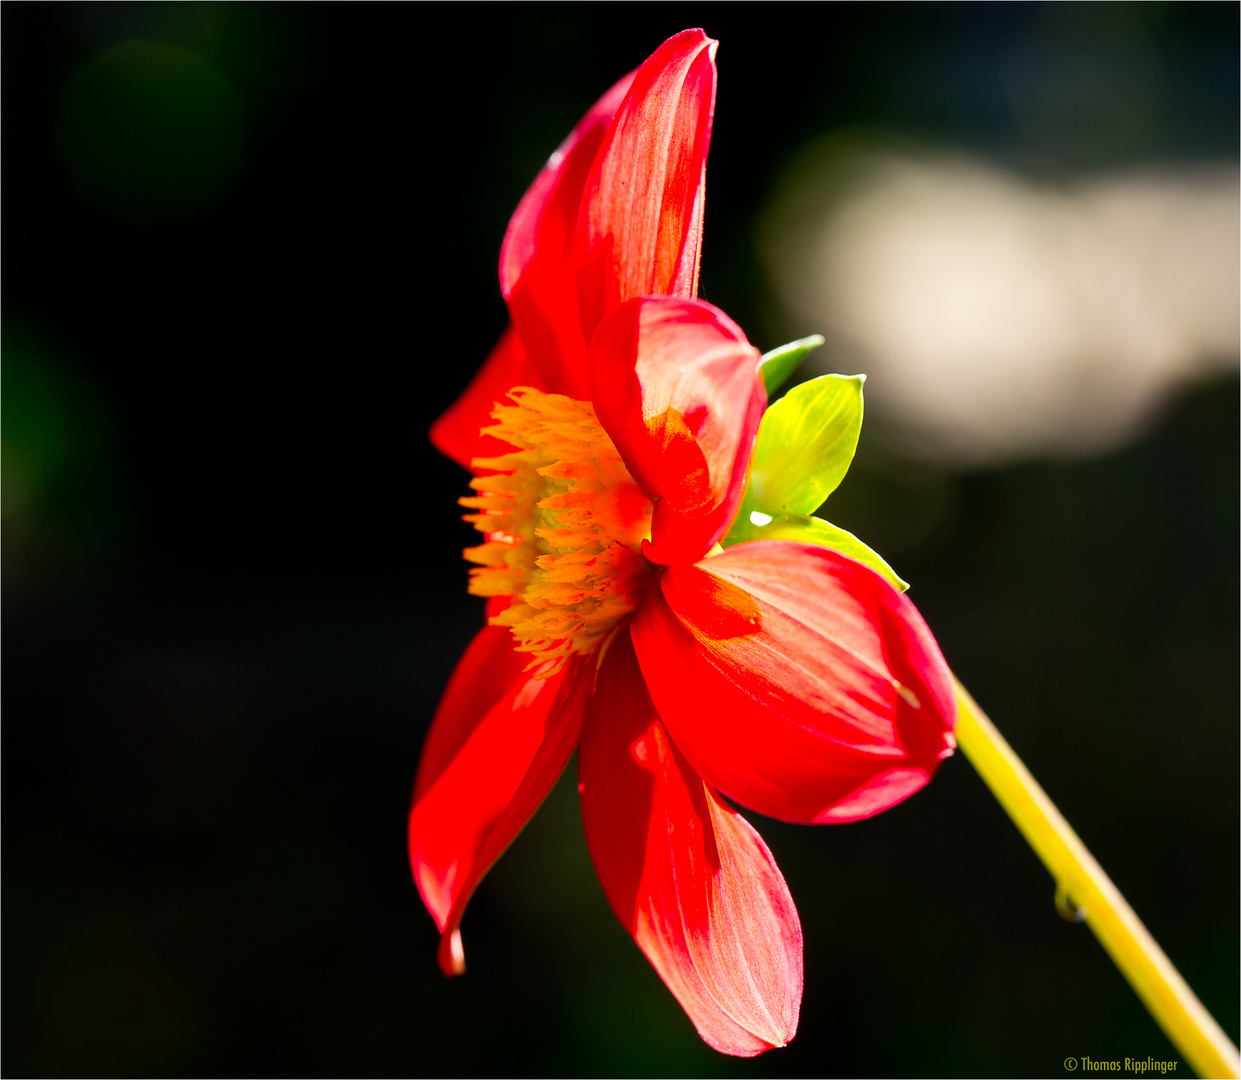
(777, 365)
(805, 444)
(809, 530)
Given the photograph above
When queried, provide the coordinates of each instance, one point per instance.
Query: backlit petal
(797, 681)
(497, 744)
(641, 218)
(456, 432)
(676, 386)
(685, 873)
(536, 273)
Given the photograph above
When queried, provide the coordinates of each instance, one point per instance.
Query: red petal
(797, 681)
(456, 432)
(546, 217)
(685, 873)
(536, 275)
(676, 385)
(497, 744)
(641, 218)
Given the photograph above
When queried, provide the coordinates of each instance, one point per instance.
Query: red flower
(610, 433)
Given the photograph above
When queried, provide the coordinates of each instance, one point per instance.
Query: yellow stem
(1088, 892)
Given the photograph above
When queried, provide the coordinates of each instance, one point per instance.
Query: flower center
(564, 523)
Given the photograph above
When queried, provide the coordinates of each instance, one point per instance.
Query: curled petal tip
(452, 954)
(702, 36)
(497, 744)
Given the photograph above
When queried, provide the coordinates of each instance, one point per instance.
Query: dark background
(233, 590)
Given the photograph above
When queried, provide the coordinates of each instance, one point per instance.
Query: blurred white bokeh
(999, 319)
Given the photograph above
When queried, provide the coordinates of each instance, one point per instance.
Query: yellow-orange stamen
(564, 523)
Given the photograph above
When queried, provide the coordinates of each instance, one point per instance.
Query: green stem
(1083, 887)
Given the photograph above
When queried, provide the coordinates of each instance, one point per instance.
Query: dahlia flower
(659, 597)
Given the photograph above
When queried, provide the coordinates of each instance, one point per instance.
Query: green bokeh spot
(59, 499)
(37, 437)
(151, 133)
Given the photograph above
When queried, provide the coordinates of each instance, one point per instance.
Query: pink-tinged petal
(497, 744)
(797, 681)
(687, 876)
(536, 275)
(456, 433)
(676, 385)
(641, 219)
